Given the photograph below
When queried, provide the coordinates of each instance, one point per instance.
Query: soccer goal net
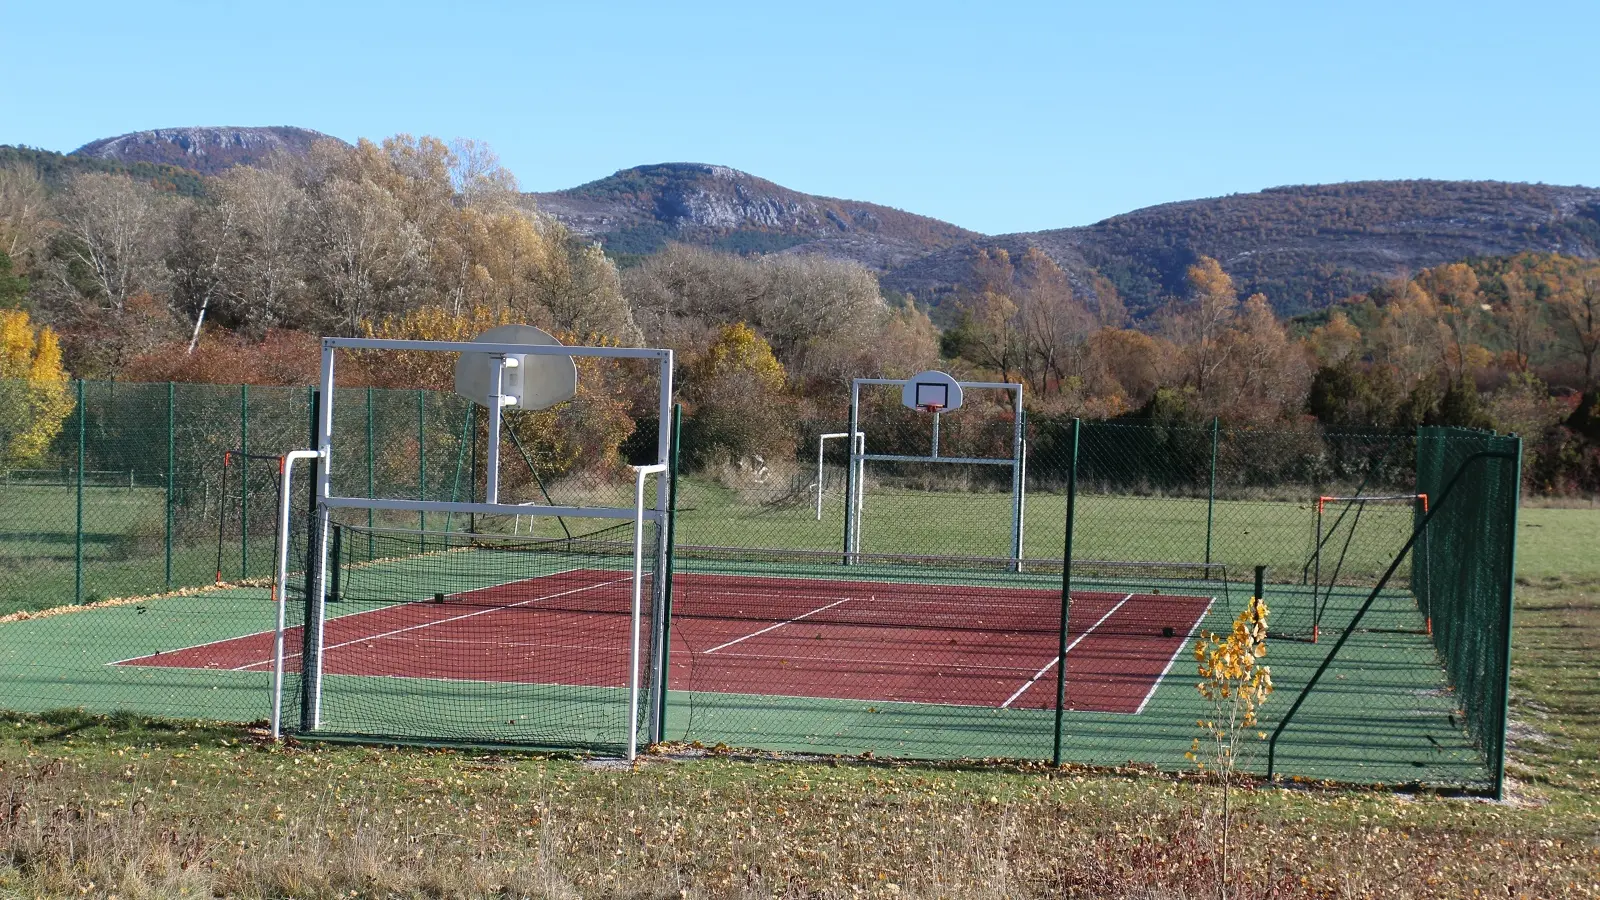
(1354, 540)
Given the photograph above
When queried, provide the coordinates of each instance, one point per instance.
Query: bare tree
(23, 209)
(116, 235)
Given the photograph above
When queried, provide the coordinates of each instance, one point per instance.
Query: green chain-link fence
(934, 642)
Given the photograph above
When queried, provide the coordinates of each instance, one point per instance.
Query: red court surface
(797, 637)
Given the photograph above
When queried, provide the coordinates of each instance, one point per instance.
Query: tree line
(422, 238)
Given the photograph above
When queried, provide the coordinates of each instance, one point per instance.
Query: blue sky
(998, 117)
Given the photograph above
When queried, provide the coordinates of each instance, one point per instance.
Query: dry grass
(100, 808)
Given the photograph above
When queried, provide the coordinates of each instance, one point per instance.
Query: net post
(1211, 494)
(77, 548)
(172, 421)
(1066, 595)
(244, 481)
(1261, 579)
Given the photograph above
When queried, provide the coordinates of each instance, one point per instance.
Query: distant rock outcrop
(208, 151)
(638, 210)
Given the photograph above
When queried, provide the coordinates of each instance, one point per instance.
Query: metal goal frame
(325, 502)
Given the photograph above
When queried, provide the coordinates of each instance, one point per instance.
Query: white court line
(779, 625)
(364, 612)
(1054, 659)
(1187, 638)
(490, 609)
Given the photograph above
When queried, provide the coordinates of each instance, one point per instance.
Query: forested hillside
(235, 281)
(1304, 247)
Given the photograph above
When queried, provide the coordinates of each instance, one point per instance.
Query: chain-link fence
(933, 638)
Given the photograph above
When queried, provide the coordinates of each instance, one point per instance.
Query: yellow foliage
(738, 350)
(1232, 680)
(34, 396)
(584, 434)
(435, 371)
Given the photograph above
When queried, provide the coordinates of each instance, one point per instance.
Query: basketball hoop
(933, 392)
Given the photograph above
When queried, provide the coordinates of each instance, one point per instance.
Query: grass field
(122, 806)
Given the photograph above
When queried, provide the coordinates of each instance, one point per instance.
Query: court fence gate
(1391, 663)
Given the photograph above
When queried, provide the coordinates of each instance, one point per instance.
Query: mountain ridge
(1304, 246)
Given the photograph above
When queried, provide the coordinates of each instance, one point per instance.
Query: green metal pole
(1211, 495)
(1505, 623)
(422, 462)
(1066, 595)
(371, 476)
(77, 552)
(244, 481)
(172, 427)
(666, 594)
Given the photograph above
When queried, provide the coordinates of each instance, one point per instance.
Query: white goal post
(505, 357)
(822, 445)
(915, 395)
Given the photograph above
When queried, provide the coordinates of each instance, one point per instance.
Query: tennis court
(980, 646)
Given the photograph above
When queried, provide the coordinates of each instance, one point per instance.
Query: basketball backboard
(527, 381)
(931, 391)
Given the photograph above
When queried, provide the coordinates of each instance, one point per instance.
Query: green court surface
(1382, 714)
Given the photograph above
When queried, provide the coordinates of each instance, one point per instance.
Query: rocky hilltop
(638, 210)
(208, 151)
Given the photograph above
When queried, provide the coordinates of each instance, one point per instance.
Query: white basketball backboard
(526, 381)
(931, 390)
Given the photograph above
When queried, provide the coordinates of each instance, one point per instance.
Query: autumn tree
(1458, 306)
(1198, 324)
(820, 316)
(1521, 315)
(1264, 375)
(34, 396)
(1576, 304)
(1125, 367)
(736, 395)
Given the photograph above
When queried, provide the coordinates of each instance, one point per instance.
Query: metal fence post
(172, 426)
(422, 462)
(663, 664)
(1066, 594)
(77, 549)
(371, 475)
(1211, 495)
(244, 481)
(1506, 613)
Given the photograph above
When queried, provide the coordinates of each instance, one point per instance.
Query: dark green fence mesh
(935, 643)
(1468, 571)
